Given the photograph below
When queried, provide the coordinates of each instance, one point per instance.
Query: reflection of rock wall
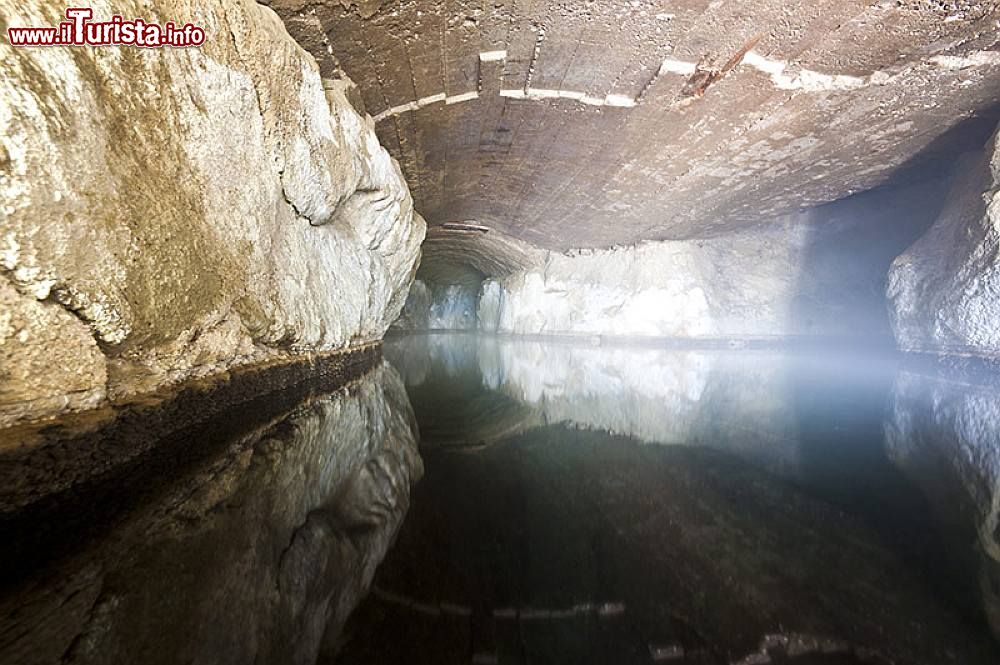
(656, 396)
(258, 555)
(170, 212)
(940, 429)
(944, 291)
(697, 552)
(653, 395)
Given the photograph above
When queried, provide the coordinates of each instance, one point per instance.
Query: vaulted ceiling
(596, 122)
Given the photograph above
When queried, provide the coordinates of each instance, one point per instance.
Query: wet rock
(817, 274)
(416, 309)
(490, 305)
(944, 291)
(187, 209)
(48, 354)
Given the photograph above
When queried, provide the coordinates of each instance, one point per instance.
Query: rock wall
(763, 283)
(944, 291)
(820, 273)
(174, 212)
(439, 307)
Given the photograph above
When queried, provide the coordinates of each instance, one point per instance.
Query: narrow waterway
(478, 499)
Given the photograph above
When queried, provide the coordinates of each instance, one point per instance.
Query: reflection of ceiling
(577, 123)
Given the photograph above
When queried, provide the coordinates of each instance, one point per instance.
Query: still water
(487, 500)
(614, 505)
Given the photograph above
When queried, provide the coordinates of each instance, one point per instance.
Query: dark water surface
(569, 504)
(613, 505)
(248, 538)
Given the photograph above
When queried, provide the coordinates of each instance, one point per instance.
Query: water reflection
(580, 504)
(945, 435)
(257, 554)
(473, 390)
(796, 509)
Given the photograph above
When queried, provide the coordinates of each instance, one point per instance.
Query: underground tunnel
(511, 332)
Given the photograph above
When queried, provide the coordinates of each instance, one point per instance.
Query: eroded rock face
(819, 273)
(256, 554)
(172, 212)
(944, 291)
(758, 284)
(439, 307)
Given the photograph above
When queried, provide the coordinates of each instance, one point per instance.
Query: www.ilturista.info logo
(78, 30)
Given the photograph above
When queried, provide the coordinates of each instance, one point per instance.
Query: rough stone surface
(47, 355)
(819, 273)
(744, 285)
(439, 307)
(589, 124)
(460, 256)
(185, 210)
(944, 291)
(416, 309)
(256, 554)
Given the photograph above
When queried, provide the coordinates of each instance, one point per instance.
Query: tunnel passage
(711, 169)
(820, 273)
(459, 258)
(204, 456)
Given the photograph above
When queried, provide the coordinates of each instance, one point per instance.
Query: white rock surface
(438, 307)
(755, 284)
(174, 212)
(944, 291)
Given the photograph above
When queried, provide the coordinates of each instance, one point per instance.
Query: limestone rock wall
(763, 283)
(944, 291)
(173, 212)
(439, 307)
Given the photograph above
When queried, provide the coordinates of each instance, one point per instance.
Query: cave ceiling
(595, 123)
